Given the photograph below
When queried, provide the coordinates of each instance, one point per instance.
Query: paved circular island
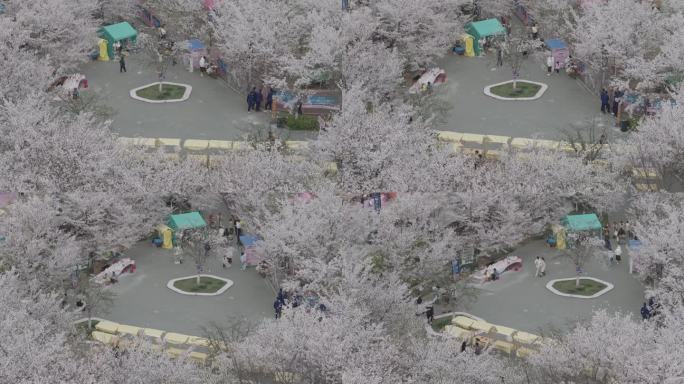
(588, 288)
(209, 285)
(169, 93)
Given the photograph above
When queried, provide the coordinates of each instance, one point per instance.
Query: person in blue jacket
(645, 312)
(269, 100)
(258, 97)
(278, 306)
(251, 100)
(605, 99)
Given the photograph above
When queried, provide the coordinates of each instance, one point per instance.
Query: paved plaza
(520, 300)
(214, 111)
(564, 104)
(142, 298)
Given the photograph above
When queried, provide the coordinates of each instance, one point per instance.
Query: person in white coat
(203, 64)
(537, 266)
(618, 253)
(542, 267)
(549, 65)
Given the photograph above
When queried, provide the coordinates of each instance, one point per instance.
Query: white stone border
(540, 92)
(608, 287)
(229, 283)
(186, 95)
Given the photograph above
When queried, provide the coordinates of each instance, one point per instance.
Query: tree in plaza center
(160, 53)
(516, 49)
(582, 246)
(201, 244)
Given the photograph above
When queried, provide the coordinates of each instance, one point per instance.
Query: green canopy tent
(183, 221)
(118, 32)
(581, 223)
(483, 29)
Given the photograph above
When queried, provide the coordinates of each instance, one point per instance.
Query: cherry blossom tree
(61, 32)
(602, 351)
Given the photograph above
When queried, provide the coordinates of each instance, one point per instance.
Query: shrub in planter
(302, 123)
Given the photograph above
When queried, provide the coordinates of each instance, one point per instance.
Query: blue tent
(555, 44)
(248, 240)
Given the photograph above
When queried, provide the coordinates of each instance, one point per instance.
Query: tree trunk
(577, 281)
(160, 87)
(515, 84)
(198, 279)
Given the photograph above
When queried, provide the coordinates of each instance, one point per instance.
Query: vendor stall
(485, 30)
(559, 51)
(123, 32)
(115, 270)
(251, 256)
(433, 76)
(582, 223)
(165, 235)
(193, 50)
(184, 221)
(509, 263)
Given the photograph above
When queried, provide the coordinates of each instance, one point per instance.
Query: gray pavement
(564, 103)
(521, 301)
(214, 111)
(142, 299)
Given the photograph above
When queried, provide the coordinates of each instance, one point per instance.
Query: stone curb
(229, 283)
(607, 289)
(540, 92)
(186, 94)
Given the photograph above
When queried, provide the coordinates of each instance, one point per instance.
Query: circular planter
(551, 288)
(540, 92)
(171, 286)
(185, 96)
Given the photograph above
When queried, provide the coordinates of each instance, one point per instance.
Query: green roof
(188, 220)
(120, 31)
(578, 223)
(484, 28)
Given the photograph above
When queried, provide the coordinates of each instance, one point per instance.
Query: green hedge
(301, 123)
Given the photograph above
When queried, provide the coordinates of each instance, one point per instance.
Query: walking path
(143, 299)
(520, 300)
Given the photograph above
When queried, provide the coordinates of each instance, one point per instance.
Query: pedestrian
(558, 66)
(542, 267)
(499, 57)
(257, 100)
(117, 47)
(537, 266)
(430, 314)
(478, 348)
(617, 97)
(278, 306)
(203, 63)
(495, 274)
(243, 261)
(251, 98)
(605, 106)
(227, 259)
(606, 237)
(269, 100)
(463, 346)
(122, 64)
(618, 253)
(281, 296)
(628, 230)
(162, 32)
(299, 108)
(645, 313)
(238, 229)
(549, 65)
(535, 31)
